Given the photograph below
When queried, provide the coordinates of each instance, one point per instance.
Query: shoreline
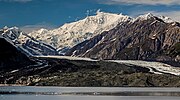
(12, 85)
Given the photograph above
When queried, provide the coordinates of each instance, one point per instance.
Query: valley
(83, 72)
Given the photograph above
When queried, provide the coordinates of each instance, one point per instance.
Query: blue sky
(32, 14)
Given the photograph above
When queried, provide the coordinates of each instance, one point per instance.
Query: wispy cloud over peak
(30, 28)
(145, 2)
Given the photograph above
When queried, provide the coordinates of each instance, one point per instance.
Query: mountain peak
(11, 28)
(5, 27)
(70, 34)
(42, 30)
(13, 33)
(100, 13)
(145, 16)
(140, 38)
(149, 15)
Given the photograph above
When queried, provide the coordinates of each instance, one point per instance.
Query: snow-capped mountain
(150, 15)
(60, 40)
(146, 37)
(11, 35)
(71, 34)
(31, 46)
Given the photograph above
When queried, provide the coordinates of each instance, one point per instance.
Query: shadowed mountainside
(11, 58)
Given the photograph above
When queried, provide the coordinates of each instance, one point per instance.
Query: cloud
(21, 1)
(145, 2)
(30, 28)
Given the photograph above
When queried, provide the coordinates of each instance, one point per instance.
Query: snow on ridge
(12, 36)
(166, 19)
(145, 16)
(12, 33)
(73, 33)
(150, 15)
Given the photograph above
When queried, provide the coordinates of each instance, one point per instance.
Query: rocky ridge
(71, 34)
(31, 46)
(146, 37)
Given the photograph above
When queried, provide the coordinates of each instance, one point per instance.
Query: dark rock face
(11, 58)
(149, 39)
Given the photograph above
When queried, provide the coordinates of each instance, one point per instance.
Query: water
(87, 93)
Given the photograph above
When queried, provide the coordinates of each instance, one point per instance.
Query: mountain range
(145, 38)
(70, 34)
(105, 36)
(31, 46)
(101, 50)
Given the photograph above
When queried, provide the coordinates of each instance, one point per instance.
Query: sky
(35, 14)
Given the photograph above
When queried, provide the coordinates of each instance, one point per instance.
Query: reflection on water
(125, 93)
(88, 93)
(50, 97)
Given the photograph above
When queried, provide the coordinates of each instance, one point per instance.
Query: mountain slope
(146, 37)
(11, 58)
(31, 46)
(73, 33)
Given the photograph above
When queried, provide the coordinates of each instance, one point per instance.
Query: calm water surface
(87, 93)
